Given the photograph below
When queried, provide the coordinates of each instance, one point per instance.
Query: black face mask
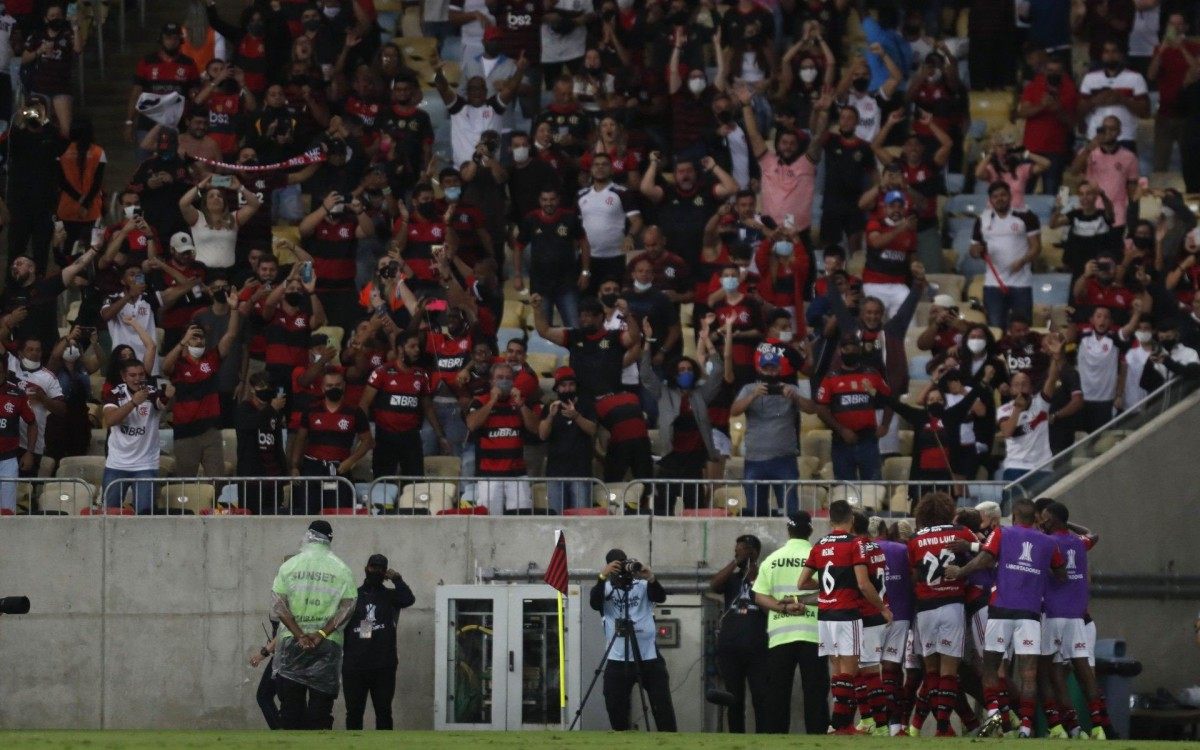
(589, 330)
(851, 360)
(912, 29)
(375, 578)
(428, 210)
(58, 25)
(566, 396)
(312, 24)
(937, 410)
(609, 299)
(861, 84)
(1167, 343)
(293, 298)
(231, 86)
(724, 117)
(1143, 243)
(595, 72)
(334, 394)
(220, 296)
(264, 394)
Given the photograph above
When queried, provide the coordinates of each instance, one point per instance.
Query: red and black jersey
(929, 553)
(832, 561)
(466, 221)
(197, 406)
(14, 409)
(251, 57)
(333, 247)
(356, 381)
(50, 72)
(331, 434)
(398, 394)
(621, 414)
(747, 316)
(137, 242)
(368, 110)
(161, 75)
(410, 131)
(521, 23)
(304, 396)
(889, 265)
(287, 338)
(450, 356)
(263, 184)
(225, 112)
(500, 442)
(422, 235)
(876, 561)
(846, 395)
(255, 324)
(924, 178)
(180, 315)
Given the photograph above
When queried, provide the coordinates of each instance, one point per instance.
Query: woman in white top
(214, 227)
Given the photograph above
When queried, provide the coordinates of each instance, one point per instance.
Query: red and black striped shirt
(14, 409)
(398, 393)
(333, 246)
(450, 356)
(197, 403)
(621, 414)
(500, 442)
(331, 434)
(846, 395)
(304, 397)
(287, 338)
(422, 235)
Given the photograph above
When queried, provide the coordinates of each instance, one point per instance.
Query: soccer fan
(1025, 559)
(1025, 420)
(259, 421)
(15, 456)
(498, 422)
(1009, 241)
(332, 437)
(846, 402)
(131, 414)
(837, 568)
(193, 367)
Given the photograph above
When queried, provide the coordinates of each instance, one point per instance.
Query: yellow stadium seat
(542, 363)
(896, 468)
(335, 333)
(994, 108)
(66, 498)
(166, 466)
(443, 466)
(731, 497)
(810, 422)
(190, 498)
(417, 49)
(88, 468)
(817, 443)
(906, 442)
(432, 497)
(808, 466)
(948, 283)
(514, 315)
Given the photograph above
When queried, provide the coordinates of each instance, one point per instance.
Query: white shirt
(870, 114)
(1099, 357)
(966, 431)
(133, 443)
(468, 123)
(603, 213)
(471, 33)
(570, 46)
(1007, 241)
(44, 379)
(739, 154)
(1184, 355)
(214, 247)
(1143, 38)
(1029, 446)
(121, 333)
(1135, 363)
(1129, 83)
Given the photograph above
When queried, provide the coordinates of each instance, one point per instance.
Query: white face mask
(30, 364)
(196, 351)
(331, 12)
(808, 75)
(129, 210)
(976, 345)
(785, 336)
(71, 354)
(1143, 336)
(642, 286)
(520, 153)
(697, 85)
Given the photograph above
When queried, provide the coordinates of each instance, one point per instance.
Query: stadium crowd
(632, 240)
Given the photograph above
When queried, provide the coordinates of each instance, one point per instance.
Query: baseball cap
(769, 359)
(377, 561)
(563, 373)
(894, 196)
(171, 29)
(181, 242)
(800, 520)
(321, 526)
(944, 300)
(492, 33)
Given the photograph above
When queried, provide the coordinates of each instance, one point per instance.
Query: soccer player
(868, 685)
(836, 561)
(899, 597)
(940, 615)
(1024, 559)
(1064, 638)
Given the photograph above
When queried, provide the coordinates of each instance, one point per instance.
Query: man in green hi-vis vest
(792, 636)
(314, 596)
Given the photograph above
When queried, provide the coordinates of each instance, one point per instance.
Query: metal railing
(44, 496)
(159, 496)
(1156, 403)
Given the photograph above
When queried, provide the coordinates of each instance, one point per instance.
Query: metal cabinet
(497, 657)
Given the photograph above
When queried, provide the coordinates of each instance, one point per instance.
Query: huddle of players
(886, 602)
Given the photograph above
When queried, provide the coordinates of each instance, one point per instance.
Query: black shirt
(743, 624)
(597, 357)
(380, 606)
(525, 185)
(848, 160)
(259, 441)
(663, 314)
(41, 300)
(682, 217)
(569, 449)
(552, 240)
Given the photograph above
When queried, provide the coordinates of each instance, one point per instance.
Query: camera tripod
(624, 630)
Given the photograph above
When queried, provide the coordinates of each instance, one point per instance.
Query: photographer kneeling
(625, 596)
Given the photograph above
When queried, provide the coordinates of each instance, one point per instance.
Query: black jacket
(379, 650)
(654, 591)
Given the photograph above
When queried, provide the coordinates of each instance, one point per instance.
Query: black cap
(171, 29)
(800, 520)
(321, 526)
(614, 555)
(377, 561)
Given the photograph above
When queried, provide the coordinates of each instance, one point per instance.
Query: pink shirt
(788, 189)
(1016, 182)
(1112, 173)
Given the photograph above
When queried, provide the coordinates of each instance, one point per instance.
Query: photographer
(568, 436)
(625, 596)
(369, 662)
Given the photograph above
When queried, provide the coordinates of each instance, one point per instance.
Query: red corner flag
(556, 570)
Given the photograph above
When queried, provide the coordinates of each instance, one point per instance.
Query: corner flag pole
(557, 577)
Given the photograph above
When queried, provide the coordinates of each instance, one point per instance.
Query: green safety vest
(314, 582)
(777, 577)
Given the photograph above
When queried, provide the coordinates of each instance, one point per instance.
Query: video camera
(14, 605)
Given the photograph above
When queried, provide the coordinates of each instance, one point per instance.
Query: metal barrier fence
(45, 496)
(301, 496)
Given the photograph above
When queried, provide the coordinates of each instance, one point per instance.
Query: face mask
(1143, 336)
(851, 360)
(520, 153)
(130, 211)
(697, 85)
(861, 84)
(220, 296)
(808, 75)
(373, 578)
(565, 395)
(255, 28)
(504, 385)
(58, 25)
(729, 283)
(786, 336)
(293, 298)
(334, 394)
(642, 286)
(453, 193)
(30, 364)
(783, 248)
(686, 379)
(937, 409)
(595, 72)
(1112, 67)
(976, 345)
(1143, 243)
(331, 12)
(608, 300)
(264, 395)
(1167, 344)
(311, 24)
(428, 210)
(196, 352)
(70, 354)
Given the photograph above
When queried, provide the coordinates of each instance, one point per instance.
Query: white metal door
(533, 695)
(471, 668)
